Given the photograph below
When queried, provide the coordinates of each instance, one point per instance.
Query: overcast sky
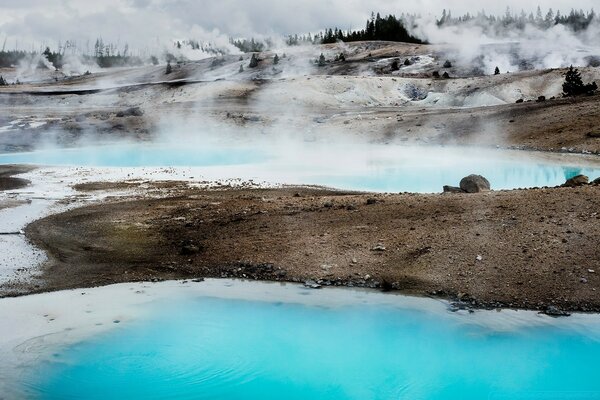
(141, 22)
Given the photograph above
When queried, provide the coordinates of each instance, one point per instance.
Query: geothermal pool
(368, 167)
(243, 340)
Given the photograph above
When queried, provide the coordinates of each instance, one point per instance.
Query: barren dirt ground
(529, 249)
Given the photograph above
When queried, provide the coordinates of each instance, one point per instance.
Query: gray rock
(379, 247)
(189, 249)
(554, 311)
(578, 180)
(312, 284)
(453, 189)
(131, 112)
(596, 181)
(475, 184)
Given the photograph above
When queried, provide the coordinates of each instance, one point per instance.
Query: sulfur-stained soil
(528, 249)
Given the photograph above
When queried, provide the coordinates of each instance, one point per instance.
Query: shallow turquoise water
(140, 155)
(208, 348)
(389, 168)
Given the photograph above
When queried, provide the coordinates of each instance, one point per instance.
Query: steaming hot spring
(165, 228)
(361, 167)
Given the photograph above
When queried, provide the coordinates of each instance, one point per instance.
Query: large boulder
(578, 180)
(475, 184)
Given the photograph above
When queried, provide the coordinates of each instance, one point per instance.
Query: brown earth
(526, 249)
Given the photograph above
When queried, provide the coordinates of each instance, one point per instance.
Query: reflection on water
(209, 348)
(388, 168)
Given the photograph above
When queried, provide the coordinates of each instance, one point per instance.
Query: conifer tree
(574, 86)
(253, 61)
(321, 60)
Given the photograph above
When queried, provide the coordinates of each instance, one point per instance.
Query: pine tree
(497, 71)
(169, 68)
(321, 60)
(253, 61)
(574, 86)
(276, 59)
(241, 69)
(3, 81)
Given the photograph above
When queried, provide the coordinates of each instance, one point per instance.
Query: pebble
(326, 267)
(312, 284)
(479, 258)
(379, 247)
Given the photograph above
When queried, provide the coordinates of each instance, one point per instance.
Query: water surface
(217, 348)
(368, 167)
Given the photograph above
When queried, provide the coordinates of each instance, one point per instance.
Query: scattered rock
(475, 184)
(596, 181)
(594, 134)
(453, 189)
(131, 112)
(372, 201)
(520, 101)
(326, 267)
(251, 118)
(312, 284)
(447, 64)
(583, 280)
(446, 75)
(578, 180)
(541, 99)
(554, 311)
(189, 249)
(379, 247)
(479, 258)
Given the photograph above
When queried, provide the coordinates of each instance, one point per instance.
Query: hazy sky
(141, 22)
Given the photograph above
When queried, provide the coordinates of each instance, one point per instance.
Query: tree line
(576, 20)
(387, 28)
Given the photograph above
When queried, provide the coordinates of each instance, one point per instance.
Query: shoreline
(247, 235)
(338, 258)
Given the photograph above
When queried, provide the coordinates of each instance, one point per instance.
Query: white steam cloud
(474, 43)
